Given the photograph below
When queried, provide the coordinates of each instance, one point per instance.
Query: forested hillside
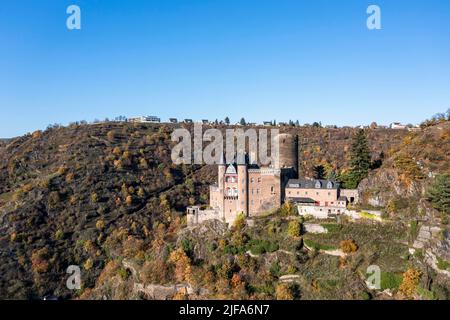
(108, 198)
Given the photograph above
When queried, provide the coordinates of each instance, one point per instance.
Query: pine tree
(319, 172)
(439, 193)
(227, 120)
(359, 161)
(242, 122)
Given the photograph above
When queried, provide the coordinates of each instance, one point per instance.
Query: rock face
(314, 228)
(392, 184)
(436, 244)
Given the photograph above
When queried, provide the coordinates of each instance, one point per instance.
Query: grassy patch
(318, 246)
(390, 280)
(443, 265)
(366, 215)
(262, 246)
(331, 227)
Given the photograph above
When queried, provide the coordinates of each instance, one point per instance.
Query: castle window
(330, 185)
(271, 189)
(252, 180)
(259, 179)
(318, 185)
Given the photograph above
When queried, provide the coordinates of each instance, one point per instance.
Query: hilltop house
(145, 119)
(398, 126)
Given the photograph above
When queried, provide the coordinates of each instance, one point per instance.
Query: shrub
(262, 246)
(410, 282)
(111, 135)
(94, 198)
(100, 224)
(284, 291)
(59, 234)
(88, 264)
(53, 199)
(69, 177)
(349, 246)
(294, 229)
(39, 261)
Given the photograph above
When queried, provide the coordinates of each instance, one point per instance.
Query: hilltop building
(145, 119)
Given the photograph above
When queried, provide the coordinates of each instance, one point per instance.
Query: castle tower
(288, 152)
(220, 183)
(242, 205)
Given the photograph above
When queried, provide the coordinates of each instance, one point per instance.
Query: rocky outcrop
(377, 189)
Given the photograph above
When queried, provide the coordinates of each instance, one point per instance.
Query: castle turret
(242, 205)
(288, 151)
(220, 182)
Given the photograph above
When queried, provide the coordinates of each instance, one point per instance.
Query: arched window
(318, 185)
(330, 185)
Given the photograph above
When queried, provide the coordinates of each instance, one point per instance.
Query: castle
(245, 187)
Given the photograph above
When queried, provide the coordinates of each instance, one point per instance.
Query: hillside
(107, 197)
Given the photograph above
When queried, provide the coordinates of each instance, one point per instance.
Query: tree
(288, 209)
(182, 264)
(294, 229)
(242, 122)
(319, 172)
(227, 120)
(284, 292)
(410, 281)
(439, 193)
(331, 175)
(359, 160)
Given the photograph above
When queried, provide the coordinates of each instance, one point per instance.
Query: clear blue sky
(309, 60)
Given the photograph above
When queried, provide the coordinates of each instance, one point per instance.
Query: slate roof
(312, 184)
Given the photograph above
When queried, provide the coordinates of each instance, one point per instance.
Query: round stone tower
(288, 151)
(242, 185)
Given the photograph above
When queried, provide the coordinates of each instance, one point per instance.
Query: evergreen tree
(242, 122)
(359, 161)
(439, 193)
(227, 120)
(319, 172)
